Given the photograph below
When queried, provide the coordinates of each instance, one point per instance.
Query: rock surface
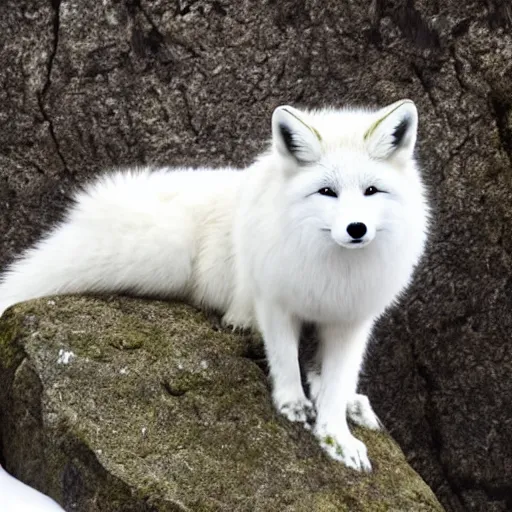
(90, 85)
(132, 405)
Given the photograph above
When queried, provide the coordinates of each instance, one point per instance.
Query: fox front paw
(361, 413)
(300, 410)
(345, 448)
(237, 322)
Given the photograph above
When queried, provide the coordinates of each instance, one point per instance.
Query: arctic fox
(326, 226)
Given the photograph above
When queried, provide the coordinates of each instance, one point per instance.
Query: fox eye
(370, 191)
(326, 191)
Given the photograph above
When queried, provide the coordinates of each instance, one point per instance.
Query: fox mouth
(354, 243)
(358, 243)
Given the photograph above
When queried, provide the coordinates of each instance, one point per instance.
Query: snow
(19, 497)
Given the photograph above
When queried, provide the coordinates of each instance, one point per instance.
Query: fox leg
(240, 314)
(359, 409)
(281, 332)
(342, 353)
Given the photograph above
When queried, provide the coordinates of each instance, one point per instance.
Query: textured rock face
(143, 406)
(89, 85)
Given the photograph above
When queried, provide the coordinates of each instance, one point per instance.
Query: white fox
(326, 226)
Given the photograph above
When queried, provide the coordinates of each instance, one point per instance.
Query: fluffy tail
(117, 238)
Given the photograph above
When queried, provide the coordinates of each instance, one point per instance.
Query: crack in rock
(41, 97)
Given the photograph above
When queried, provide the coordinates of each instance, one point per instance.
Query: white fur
(19, 497)
(263, 247)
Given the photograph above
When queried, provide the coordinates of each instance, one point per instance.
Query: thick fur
(268, 246)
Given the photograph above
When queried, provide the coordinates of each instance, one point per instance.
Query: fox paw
(361, 413)
(236, 322)
(346, 449)
(298, 411)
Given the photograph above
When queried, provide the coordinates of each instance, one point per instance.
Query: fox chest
(336, 289)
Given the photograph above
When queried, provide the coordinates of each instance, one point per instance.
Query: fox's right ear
(294, 137)
(392, 135)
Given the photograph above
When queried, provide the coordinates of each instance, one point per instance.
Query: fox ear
(393, 132)
(294, 137)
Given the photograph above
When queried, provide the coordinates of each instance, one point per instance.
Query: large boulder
(90, 85)
(144, 406)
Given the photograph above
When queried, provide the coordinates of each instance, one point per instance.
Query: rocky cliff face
(90, 85)
(129, 405)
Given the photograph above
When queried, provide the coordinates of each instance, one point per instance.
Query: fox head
(349, 174)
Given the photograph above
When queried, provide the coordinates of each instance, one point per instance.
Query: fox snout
(356, 230)
(353, 235)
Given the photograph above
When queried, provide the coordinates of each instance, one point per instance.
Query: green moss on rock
(10, 352)
(156, 410)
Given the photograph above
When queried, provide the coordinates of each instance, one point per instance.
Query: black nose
(356, 230)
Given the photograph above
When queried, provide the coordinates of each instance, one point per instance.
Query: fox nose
(356, 230)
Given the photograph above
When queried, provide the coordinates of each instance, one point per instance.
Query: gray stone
(143, 406)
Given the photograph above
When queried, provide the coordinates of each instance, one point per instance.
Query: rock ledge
(130, 405)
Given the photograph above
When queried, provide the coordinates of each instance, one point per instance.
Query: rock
(132, 405)
(90, 85)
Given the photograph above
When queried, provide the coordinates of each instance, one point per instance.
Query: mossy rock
(132, 405)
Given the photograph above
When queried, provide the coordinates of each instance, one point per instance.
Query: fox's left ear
(294, 136)
(392, 135)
